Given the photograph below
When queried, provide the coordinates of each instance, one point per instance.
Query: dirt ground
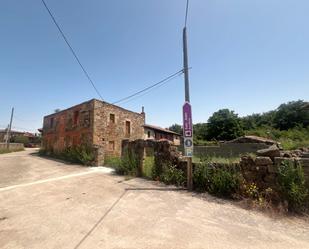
(49, 204)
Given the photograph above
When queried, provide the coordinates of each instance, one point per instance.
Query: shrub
(20, 139)
(292, 183)
(42, 152)
(113, 162)
(172, 175)
(78, 154)
(201, 177)
(224, 182)
(128, 165)
(82, 154)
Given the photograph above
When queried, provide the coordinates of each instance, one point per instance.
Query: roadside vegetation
(222, 177)
(4, 151)
(82, 154)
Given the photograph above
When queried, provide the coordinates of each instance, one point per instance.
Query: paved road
(48, 204)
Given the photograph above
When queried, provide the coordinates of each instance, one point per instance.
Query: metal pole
(185, 64)
(187, 99)
(9, 130)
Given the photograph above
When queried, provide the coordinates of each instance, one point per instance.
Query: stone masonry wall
(69, 127)
(263, 169)
(107, 135)
(164, 152)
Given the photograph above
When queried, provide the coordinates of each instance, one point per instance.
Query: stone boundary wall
(163, 151)
(263, 170)
(227, 149)
(13, 146)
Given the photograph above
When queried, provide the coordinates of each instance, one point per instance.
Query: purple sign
(187, 120)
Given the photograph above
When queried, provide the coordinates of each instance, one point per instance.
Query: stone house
(152, 132)
(31, 136)
(98, 124)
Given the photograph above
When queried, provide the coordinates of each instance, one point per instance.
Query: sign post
(187, 112)
(188, 141)
(187, 130)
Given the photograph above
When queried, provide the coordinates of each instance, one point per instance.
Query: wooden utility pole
(187, 114)
(8, 134)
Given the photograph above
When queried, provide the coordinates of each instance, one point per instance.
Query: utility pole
(8, 134)
(187, 112)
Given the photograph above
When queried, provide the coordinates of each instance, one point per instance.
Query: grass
(148, 166)
(4, 151)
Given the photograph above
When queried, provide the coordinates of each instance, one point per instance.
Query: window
(128, 128)
(51, 124)
(111, 145)
(148, 134)
(112, 118)
(75, 118)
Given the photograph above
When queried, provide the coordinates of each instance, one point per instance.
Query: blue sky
(249, 56)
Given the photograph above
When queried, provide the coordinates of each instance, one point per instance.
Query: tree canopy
(291, 114)
(224, 125)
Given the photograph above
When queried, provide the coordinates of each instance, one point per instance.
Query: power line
(72, 50)
(186, 17)
(155, 87)
(150, 87)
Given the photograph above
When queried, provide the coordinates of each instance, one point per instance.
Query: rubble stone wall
(60, 130)
(108, 135)
(163, 151)
(263, 169)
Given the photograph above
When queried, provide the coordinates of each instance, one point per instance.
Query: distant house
(3, 135)
(96, 123)
(158, 133)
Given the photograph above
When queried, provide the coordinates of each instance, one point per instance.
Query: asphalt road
(49, 204)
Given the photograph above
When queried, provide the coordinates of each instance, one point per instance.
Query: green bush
(113, 162)
(82, 154)
(42, 152)
(224, 182)
(201, 177)
(172, 175)
(292, 182)
(128, 165)
(20, 139)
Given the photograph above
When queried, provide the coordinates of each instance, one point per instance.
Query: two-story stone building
(95, 123)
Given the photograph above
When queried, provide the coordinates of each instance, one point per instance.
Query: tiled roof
(157, 128)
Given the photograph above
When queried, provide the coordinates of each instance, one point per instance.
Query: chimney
(144, 114)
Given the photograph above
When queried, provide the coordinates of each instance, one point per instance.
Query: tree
(224, 125)
(253, 121)
(291, 114)
(20, 139)
(200, 131)
(176, 128)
